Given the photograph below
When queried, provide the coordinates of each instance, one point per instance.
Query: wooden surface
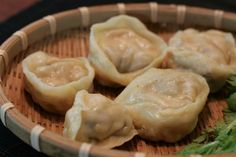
(9, 8)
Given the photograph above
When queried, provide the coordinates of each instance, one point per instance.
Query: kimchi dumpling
(123, 48)
(53, 82)
(211, 54)
(96, 119)
(165, 103)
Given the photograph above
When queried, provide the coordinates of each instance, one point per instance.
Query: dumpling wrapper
(53, 82)
(211, 54)
(123, 48)
(96, 119)
(165, 104)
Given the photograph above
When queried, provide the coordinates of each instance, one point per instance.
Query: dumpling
(165, 103)
(211, 54)
(53, 82)
(98, 120)
(123, 48)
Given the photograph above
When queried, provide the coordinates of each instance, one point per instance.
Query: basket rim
(49, 142)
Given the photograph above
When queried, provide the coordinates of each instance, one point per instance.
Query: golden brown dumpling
(165, 103)
(211, 54)
(123, 48)
(53, 82)
(98, 120)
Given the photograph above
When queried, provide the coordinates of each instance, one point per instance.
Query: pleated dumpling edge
(210, 53)
(53, 82)
(98, 120)
(123, 48)
(165, 103)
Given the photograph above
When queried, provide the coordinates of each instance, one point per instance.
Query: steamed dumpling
(165, 104)
(122, 48)
(53, 82)
(98, 120)
(211, 54)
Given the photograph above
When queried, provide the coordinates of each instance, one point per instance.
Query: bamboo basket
(66, 34)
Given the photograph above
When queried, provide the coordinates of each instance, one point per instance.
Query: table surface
(14, 14)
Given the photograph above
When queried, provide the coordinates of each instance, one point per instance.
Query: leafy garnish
(232, 102)
(206, 136)
(221, 138)
(230, 89)
(232, 80)
(230, 85)
(224, 138)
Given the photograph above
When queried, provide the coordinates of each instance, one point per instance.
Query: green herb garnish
(232, 102)
(230, 86)
(224, 138)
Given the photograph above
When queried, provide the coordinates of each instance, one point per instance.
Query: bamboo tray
(66, 34)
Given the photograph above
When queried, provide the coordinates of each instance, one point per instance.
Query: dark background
(15, 14)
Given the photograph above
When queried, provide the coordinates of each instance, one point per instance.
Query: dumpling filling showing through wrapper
(96, 119)
(165, 103)
(123, 48)
(53, 82)
(211, 54)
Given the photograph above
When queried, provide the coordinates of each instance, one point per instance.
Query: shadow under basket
(66, 34)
